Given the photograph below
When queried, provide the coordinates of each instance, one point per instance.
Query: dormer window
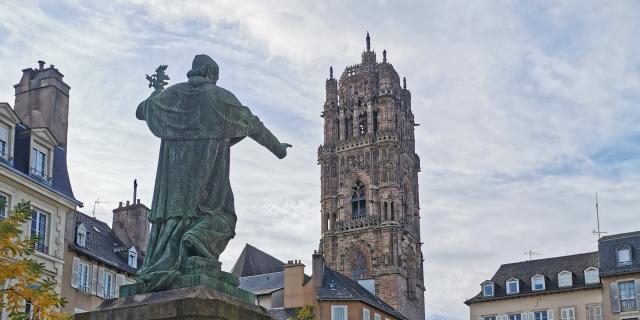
(537, 282)
(39, 162)
(487, 289)
(133, 258)
(592, 276)
(624, 255)
(4, 141)
(81, 235)
(565, 279)
(513, 286)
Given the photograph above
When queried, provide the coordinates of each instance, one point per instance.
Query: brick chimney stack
(317, 269)
(131, 225)
(42, 101)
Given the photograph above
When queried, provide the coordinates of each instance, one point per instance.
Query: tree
(304, 313)
(23, 279)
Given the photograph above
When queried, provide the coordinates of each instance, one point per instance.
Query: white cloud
(526, 110)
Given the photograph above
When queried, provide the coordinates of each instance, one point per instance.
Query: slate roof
(263, 283)
(59, 183)
(549, 268)
(282, 313)
(608, 247)
(336, 286)
(252, 261)
(101, 243)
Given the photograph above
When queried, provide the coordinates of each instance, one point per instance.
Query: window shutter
(100, 287)
(524, 316)
(74, 276)
(93, 282)
(119, 282)
(531, 316)
(550, 314)
(615, 297)
(637, 294)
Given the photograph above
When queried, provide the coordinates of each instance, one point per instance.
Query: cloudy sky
(526, 110)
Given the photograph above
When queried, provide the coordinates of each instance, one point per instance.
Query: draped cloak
(192, 211)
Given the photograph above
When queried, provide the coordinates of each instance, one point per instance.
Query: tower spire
(331, 72)
(368, 42)
(384, 56)
(404, 83)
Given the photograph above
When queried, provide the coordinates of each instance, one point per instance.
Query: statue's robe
(192, 211)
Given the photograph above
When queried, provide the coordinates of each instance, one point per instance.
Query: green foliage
(22, 276)
(304, 313)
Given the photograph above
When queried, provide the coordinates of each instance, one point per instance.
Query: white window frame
(45, 241)
(594, 311)
(81, 235)
(486, 285)
(542, 317)
(366, 314)
(517, 282)
(492, 317)
(43, 172)
(377, 316)
(84, 285)
(4, 141)
(108, 291)
(344, 309)
(132, 258)
(564, 313)
(628, 256)
(4, 212)
(630, 294)
(565, 279)
(592, 275)
(533, 284)
(517, 315)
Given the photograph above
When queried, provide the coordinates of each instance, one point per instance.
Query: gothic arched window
(358, 201)
(359, 266)
(362, 124)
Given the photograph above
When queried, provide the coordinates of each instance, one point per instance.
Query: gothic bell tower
(369, 183)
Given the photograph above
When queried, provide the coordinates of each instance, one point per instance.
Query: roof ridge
(550, 258)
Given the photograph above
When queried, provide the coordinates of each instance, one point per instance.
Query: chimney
(42, 101)
(293, 284)
(130, 224)
(317, 269)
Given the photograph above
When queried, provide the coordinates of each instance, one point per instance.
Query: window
(359, 265)
(513, 286)
(4, 204)
(627, 295)
(358, 201)
(377, 317)
(489, 318)
(338, 312)
(594, 312)
(541, 315)
(565, 279)
(537, 282)
(39, 163)
(365, 314)
(107, 285)
(133, 257)
(362, 125)
(81, 235)
(39, 230)
(591, 276)
(624, 255)
(568, 314)
(4, 142)
(83, 277)
(515, 316)
(487, 289)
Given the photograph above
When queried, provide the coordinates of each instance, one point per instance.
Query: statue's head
(204, 66)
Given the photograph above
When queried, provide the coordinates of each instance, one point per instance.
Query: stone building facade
(369, 183)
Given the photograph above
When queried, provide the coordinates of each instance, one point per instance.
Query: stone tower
(369, 183)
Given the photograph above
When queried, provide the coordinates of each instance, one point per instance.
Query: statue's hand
(284, 146)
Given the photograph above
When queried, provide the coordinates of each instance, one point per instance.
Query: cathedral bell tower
(369, 183)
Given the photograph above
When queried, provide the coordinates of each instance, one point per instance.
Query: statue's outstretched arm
(269, 141)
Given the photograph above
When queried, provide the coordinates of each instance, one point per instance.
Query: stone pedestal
(196, 303)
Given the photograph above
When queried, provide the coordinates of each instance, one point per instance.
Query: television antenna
(532, 253)
(597, 231)
(95, 203)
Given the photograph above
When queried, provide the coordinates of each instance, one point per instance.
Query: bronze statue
(192, 214)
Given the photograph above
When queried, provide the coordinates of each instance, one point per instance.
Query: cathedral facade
(369, 183)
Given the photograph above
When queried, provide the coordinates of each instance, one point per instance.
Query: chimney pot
(40, 64)
(51, 66)
(120, 205)
(138, 202)
(127, 203)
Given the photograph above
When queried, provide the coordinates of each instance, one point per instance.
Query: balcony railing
(41, 247)
(628, 305)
